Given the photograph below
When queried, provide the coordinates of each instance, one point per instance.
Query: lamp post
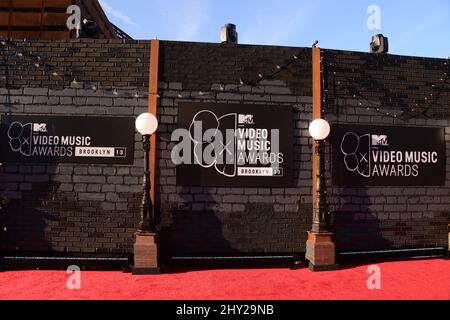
(146, 125)
(145, 247)
(320, 249)
(320, 130)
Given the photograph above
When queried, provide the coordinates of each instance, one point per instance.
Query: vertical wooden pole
(9, 19)
(152, 105)
(320, 249)
(145, 249)
(317, 108)
(41, 27)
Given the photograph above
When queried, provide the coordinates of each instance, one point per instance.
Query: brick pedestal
(320, 252)
(145, 254)
(448, 248)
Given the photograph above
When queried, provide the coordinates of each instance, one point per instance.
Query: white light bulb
(146, 124)
(319, 129)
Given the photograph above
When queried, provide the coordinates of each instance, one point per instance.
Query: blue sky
(414, 27)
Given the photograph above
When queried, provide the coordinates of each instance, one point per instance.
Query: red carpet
(424, 279)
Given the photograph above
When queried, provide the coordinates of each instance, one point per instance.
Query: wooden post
(320, 249)
(146, 243)
(9, 19)
(317, 108)
(41, 26)
(152, 105)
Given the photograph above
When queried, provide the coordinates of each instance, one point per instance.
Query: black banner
(229, 309)
(234, 145)
(388, 156)
(55, 139)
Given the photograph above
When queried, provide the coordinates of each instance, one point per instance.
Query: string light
(402, 113)
(324, 90)
(75, 84)
(278, 69)
(36, 60)
(371, 106)
(261, 76)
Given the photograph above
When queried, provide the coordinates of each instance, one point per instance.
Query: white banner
(94, 152)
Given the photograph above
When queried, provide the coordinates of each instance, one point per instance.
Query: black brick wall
(95, 208)
(416, 90)
(65, 207)
(111, 62)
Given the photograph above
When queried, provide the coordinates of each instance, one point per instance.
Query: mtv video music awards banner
(388, 156)
(234, 145)
(48, 139)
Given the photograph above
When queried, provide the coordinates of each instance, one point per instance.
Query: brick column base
(320, 252)
(448, 239)
(145, 254)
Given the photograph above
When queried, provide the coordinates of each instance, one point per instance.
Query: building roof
(47, 19)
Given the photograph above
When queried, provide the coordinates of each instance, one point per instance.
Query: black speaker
(228, 34)
(90, 28)
(379, 44)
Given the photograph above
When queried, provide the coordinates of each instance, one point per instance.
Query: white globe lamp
(146, 124)
(319, 129)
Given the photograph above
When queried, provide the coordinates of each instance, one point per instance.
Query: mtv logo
(380, 140)
(246, 119)
(39, 127)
